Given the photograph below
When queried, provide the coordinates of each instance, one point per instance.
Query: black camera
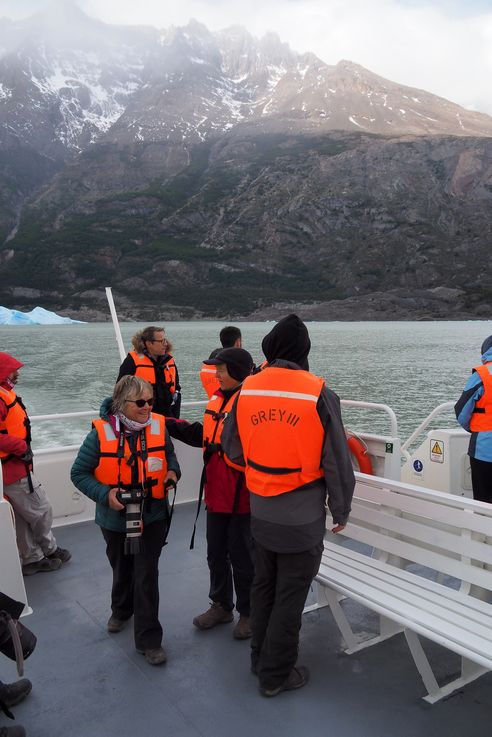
(132, 497)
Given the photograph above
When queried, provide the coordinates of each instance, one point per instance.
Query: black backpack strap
(203, 479)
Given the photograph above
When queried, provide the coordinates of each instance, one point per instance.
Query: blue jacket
(83, 478)
(480, 446)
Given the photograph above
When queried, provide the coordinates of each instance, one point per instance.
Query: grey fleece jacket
(295, 522)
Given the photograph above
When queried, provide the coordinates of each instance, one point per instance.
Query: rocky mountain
(215, 173)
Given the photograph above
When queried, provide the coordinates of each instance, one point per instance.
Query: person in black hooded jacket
(282, 418)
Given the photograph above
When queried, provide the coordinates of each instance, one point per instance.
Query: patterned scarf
(131, 425)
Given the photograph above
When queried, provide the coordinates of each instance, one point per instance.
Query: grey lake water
(411, 366)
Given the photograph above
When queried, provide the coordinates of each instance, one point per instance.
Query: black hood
(487, 344)
(288, 340)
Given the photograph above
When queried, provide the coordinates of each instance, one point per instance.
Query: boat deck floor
(88, 683)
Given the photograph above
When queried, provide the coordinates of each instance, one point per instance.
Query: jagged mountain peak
(62, 11)
(73, 80)
(64, 23)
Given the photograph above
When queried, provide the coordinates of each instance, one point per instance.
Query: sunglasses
(141, 402)
(158, 341)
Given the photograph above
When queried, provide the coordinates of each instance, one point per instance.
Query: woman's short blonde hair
(128, 387)
(147, 335)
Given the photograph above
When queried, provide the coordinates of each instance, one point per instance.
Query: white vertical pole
(114, 316)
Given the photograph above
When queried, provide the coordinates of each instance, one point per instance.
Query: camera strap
(120, 453)
(10, 633)
(144, 455)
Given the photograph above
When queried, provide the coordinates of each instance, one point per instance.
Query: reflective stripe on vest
(145, 369)
(208, 377)
(16, 422)
(280, 430)
(481, 419)
(276, 393)
(110, 466)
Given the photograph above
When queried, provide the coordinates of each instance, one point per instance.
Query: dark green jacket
(83, 478)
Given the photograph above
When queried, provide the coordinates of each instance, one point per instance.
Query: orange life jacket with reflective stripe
(213, 419)
(17, 422)
(280, 430)
(145, 369)
(208, 377)
(481, 419)
(115, 469)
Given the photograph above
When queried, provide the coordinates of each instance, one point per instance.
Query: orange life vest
(280, 430)
(145, 369)
(481, 419)
(17, 422)
(208, 377)
(213, 419)
(114, 470)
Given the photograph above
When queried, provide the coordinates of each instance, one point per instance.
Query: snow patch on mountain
(186, 84)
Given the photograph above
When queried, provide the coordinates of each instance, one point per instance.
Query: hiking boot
(41, 566)
(61, 554)
(298, 677)
(12, 694)
(154, 656)
(115, 624)
(16, 731)
(242, 630)
(213, 616)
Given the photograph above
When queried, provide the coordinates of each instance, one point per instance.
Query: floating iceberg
(37, 316)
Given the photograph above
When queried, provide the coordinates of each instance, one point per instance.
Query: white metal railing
(377, 407)
(440, 409)
(91, 413)
(201, 403)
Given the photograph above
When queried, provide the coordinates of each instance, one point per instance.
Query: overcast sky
(443, 46)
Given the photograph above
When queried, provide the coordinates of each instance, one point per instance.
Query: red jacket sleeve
(9, 443)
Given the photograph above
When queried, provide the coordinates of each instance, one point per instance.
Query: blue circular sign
(418, 466)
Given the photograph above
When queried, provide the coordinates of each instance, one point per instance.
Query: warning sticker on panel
(437, 451)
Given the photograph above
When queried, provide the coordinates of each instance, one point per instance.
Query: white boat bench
(421, 560)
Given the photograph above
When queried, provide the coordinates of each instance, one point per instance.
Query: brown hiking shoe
(16, 731)
(61, 553)
(213, 616)
(41, 566)
(12, 694)
(154, 656)
(242, 630)
(115, 624)
(298, 677)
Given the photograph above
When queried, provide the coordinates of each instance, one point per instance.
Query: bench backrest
(405, 524)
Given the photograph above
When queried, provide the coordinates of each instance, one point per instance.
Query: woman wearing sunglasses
(128, 459)
(151, 359)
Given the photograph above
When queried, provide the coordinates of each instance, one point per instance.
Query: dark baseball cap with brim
(238, 361)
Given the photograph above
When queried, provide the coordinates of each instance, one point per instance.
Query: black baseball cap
(238, 361)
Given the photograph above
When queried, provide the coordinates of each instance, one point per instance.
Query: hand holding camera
(113, 501)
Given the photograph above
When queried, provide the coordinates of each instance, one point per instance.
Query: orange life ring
(360, 454)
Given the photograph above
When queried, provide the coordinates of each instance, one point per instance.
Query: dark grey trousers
(230, 559)
(135, 588)
(280, 587)
(481, 472)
